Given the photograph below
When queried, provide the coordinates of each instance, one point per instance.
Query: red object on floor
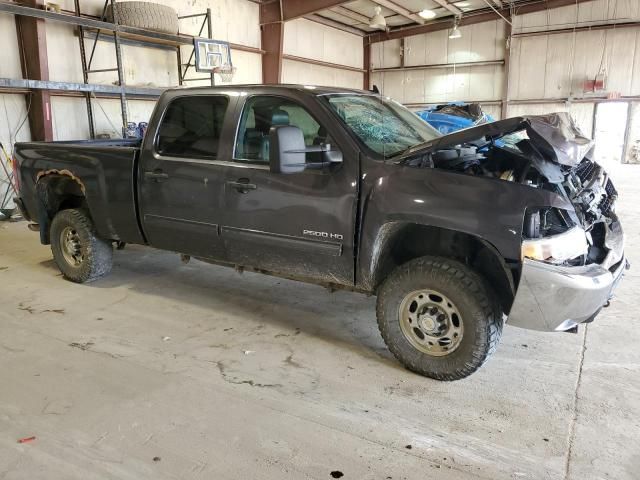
(26, 440)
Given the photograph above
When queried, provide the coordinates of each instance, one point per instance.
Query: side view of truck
(509, 221)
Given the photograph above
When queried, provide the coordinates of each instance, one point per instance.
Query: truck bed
(106, 171)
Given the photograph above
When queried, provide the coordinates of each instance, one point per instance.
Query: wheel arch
(57, 190)
(401, 242)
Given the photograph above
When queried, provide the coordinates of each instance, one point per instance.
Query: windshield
(383, 125)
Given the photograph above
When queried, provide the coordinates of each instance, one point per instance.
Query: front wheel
(438, 317)
(80, 254)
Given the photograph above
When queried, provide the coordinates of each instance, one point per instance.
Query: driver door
(300, 224)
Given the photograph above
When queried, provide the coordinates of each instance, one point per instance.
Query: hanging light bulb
(455, 31)
(378, 21)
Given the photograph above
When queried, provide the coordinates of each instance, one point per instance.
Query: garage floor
(165, 370)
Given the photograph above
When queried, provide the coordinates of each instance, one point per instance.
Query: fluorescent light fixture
(427, 14)
(462, 4)
(378, 21)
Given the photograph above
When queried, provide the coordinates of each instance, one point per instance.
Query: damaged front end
(571, 259)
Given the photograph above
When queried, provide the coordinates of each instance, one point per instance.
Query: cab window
(191, 127)
(263, 112)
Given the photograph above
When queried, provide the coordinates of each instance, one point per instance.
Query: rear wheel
(79, 253)
(439, 318)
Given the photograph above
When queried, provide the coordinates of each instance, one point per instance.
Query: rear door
(181, 174)
(300, 224)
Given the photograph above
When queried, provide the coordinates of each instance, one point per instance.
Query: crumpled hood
(555, 135)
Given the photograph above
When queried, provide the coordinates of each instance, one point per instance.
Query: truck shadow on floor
(286, 305)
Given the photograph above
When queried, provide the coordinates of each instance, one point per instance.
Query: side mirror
(286, 149)
(288, 152)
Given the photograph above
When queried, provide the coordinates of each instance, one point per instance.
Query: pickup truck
(510, 221)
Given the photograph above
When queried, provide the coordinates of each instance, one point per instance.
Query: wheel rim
(431, 322)
(71, 247)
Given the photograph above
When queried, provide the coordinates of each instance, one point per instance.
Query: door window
(191, 127)
(262, 113)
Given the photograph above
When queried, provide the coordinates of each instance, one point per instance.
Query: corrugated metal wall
(549, 68)
(307, 39)
(483, 42)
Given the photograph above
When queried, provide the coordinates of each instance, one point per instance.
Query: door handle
(242, 185)
(156, 176)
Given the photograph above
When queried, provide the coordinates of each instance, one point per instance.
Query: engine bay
(540, 157)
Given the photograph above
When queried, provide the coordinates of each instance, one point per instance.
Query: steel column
(272, 37)
(85, 73)
(32, 39)
(121, 83)
(366, 78)
(210, 35)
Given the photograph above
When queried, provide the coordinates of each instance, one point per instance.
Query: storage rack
(100, 30)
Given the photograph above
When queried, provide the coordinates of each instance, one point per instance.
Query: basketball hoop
(226, 72)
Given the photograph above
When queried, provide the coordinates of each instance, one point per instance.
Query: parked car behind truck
(348, 189)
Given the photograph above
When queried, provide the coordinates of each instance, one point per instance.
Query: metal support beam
(506, 75)
(471, 18)
(394, 7)
(292, 9)
(32, 39)
(452, 8)
(99, 89)
(123, 94)
(439, 66)
(366, 83)
(272, 38)
(312, 61)
(85, 73)
(333, 24)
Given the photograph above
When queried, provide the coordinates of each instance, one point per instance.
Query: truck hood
(556, 137)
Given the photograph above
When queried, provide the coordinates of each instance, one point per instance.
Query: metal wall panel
(308, 74)
(307, 39)
(386, 54)
(9, 53)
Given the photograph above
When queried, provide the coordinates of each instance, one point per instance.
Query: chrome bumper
(557, 298)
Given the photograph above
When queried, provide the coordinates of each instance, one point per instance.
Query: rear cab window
(191, 127)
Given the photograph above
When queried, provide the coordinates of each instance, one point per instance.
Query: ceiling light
(455, 31)
(427, 14)
(378, 21)
(463, 4)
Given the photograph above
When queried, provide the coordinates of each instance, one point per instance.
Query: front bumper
(557, 298)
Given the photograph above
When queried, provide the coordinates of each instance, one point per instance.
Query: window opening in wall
(609, 131)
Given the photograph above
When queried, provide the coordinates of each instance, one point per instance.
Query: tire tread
(474, 286)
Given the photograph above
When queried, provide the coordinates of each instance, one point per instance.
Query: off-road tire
(481, 316)
(147, 15)
(97, 253)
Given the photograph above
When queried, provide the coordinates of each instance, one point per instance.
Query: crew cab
(509, 221)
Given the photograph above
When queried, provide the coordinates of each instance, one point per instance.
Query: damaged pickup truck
(506, 221)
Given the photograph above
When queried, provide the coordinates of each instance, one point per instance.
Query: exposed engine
(585, 184)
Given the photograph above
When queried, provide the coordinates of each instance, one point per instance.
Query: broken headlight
(551, 235)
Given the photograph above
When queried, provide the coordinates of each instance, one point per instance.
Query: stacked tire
(145, 15)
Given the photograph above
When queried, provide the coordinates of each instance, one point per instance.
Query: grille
(585, 170)
(607, 203)
(610, 189)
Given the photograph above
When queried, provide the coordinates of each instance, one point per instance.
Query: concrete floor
(165, 370)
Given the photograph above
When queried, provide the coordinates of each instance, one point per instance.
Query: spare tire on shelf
(146, 15)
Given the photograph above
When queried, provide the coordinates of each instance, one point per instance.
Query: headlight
(557, 248)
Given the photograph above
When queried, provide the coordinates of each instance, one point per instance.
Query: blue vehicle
(451, 117)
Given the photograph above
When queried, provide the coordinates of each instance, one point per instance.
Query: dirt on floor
(165, 370)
